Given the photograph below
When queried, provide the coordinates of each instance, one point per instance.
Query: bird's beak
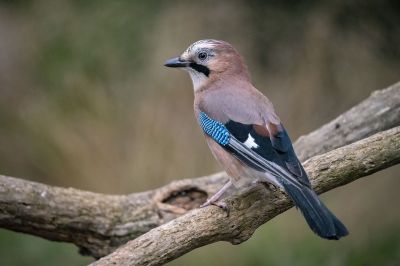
(176, 62)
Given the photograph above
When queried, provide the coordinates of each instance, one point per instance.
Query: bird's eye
(202, 55)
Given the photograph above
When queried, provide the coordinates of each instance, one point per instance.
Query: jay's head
(208, 60)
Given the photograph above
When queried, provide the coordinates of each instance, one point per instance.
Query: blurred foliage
(85, 102)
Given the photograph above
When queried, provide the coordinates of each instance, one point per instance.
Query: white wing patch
(250, 143)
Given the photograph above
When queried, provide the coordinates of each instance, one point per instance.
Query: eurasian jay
(244, 133)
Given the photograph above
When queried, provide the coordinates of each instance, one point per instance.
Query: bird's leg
(213, 200)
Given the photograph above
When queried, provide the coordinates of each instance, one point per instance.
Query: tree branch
(255, 206)
(99, 223)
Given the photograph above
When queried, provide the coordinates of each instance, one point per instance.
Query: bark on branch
(98, 223)
(256, 206)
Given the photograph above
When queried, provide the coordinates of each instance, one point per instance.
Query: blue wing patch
(214, 129)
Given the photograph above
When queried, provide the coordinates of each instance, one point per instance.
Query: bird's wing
(265, 148)
(272, 143)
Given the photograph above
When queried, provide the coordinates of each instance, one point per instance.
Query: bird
(245, 134)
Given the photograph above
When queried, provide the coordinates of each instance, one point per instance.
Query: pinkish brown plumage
(244, 133)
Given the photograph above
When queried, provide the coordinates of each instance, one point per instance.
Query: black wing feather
(276, 148)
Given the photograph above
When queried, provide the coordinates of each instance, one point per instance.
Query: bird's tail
(321, 220)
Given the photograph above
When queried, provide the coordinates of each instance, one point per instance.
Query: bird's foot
(220, 204)
(214, 200)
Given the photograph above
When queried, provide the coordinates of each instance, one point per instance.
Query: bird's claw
(221, 204)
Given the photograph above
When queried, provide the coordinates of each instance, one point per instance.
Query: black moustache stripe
(200, 68)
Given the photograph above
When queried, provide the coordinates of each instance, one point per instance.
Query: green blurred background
(85, 102)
